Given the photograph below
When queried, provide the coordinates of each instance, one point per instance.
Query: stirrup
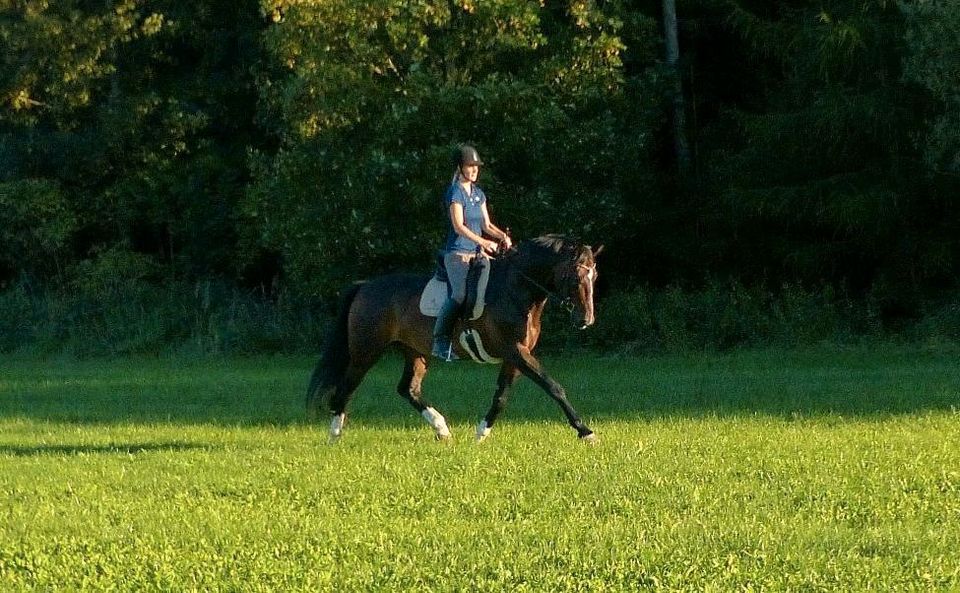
(444, 351)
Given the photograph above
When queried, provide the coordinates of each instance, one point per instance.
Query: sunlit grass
(767, 470)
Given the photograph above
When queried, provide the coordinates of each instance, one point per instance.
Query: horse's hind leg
(410, 389)
(316, 394)
(345, 389)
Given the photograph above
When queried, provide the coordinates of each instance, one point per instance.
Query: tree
(672, 46)
(140, 114)
(36, 224)
(368, 100)
(811, 158)
(933, 43)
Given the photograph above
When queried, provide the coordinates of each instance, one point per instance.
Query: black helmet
(466, 155)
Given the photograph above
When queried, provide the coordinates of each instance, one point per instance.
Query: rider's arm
(492, 229)
(456, 219)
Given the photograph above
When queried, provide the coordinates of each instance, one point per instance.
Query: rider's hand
(506, 242)
(490, 246)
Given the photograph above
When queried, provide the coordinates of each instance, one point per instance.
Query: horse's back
(391, 287)
(386, 309)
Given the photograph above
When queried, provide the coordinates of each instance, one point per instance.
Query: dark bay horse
(385, 310)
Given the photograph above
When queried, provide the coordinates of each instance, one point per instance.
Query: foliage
(369, 101)
(812, 170)
(721, 316)
(36, 225)
(933, 43)
(120, 305)
(940, 322)
(115, 307)
(293, 146)
(59, 57)
(137, 112)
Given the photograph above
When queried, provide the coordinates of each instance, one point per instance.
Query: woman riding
(466, 208)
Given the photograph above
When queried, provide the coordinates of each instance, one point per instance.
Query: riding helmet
(466, 155)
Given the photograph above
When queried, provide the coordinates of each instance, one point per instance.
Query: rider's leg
(457, 265)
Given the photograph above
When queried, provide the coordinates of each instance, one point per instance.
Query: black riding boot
(442, 329)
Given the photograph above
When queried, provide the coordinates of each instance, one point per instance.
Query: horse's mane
(545, 248)
(538, 253)
(555, 242)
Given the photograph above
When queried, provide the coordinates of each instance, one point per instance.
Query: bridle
(565, 302)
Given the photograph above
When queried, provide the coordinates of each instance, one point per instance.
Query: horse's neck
(540, 265)
(542, 274)
(532, 276)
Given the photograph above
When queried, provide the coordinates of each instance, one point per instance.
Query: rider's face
(470, 172)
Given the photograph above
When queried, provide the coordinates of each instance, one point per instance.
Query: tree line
(302, 144)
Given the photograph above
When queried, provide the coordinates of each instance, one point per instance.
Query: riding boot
(442, 329)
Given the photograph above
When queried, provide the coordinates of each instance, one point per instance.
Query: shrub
(724, 317)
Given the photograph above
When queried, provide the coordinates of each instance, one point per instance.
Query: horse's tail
(336, 354)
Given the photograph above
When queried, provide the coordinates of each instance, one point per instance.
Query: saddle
(437, 290)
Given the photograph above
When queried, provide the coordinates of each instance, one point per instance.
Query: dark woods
(213, 172)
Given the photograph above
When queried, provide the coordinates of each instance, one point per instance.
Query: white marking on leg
(483, 431)
(336, 427)
(437, 421)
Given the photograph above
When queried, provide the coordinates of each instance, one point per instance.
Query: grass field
(821, 470)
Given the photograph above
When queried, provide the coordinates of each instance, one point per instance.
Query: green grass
(805, 471)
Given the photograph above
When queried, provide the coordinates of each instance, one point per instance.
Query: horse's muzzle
(581, 315)
(584, 322)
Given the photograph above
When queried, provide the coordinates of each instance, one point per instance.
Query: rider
(466, 208)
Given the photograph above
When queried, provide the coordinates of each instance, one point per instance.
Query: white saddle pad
(435, 294)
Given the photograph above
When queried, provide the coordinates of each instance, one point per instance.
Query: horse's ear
(597, 251)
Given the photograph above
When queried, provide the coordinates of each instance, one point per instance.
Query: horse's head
(562, 268)
(574, 279)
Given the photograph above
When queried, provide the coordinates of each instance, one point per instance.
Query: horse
(384, 311)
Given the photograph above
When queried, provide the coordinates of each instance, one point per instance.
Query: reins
(564, 302)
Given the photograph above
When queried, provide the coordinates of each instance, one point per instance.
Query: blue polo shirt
(472, 216)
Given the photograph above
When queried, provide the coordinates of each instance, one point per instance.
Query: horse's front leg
(508, 374)
(532, 368)
(410, 387)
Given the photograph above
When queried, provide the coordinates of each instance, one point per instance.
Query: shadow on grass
(847, 383)
(121, 449)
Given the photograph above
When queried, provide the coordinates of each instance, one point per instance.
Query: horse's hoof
(445, 438)
(336, 428)
(590, 438)
(483, 431)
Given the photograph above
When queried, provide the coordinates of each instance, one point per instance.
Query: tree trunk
(681, 147)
